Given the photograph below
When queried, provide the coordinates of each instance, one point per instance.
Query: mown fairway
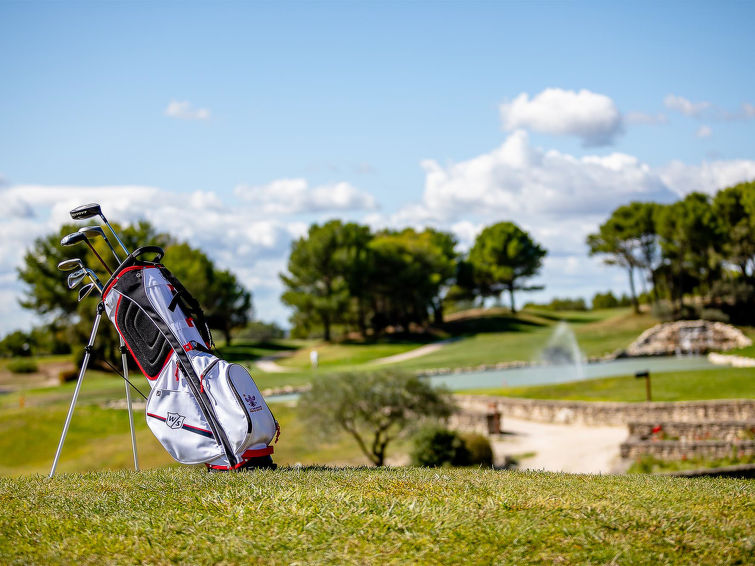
(374, 516)
(723, 383)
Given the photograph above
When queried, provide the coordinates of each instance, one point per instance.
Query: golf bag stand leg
(84, 364)
(128, 402)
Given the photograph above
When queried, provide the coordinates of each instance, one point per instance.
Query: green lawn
(98, 438)
(723, 383)
(374, 516)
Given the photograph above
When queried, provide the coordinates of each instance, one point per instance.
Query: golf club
(93, 209)
(85, 290)
(69, 264)
(98, 231)
(77, 237)
(76, 277)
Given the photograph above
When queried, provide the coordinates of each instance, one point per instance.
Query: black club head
(72, 239)
(86, 211)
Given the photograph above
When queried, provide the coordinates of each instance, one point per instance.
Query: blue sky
(258, 118)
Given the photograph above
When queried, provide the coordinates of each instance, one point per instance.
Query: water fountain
(563, 350)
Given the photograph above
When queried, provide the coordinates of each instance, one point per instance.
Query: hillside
(374, 516)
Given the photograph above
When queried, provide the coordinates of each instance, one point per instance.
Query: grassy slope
(374, 516)
(726, 383)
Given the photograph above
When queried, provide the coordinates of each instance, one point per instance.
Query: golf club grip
(150, 250)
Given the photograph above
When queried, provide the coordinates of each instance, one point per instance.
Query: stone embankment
(680, 441)
(607, 413)
(687, 337)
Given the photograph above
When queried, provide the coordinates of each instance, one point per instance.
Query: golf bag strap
(189, 305)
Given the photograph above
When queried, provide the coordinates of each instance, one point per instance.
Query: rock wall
(687, 337)
(603, 413)
(673, 450)
(730, 431)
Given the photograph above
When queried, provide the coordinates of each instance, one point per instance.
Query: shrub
(22, 365)
(714, 315)
(435, 447)
(479, 451)
(68, 375)
(604, 301)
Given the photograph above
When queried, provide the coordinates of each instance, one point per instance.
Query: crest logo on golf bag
(175, 420)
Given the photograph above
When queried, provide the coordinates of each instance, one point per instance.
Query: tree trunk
(511, 296)
(227, 335)
(635, 304)
(326, 326)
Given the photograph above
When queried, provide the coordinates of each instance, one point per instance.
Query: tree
(410, 271)
(225, 302)
(689, 232)
(628, 239)
(315, 283)
(502, 258)
(734, 208)
(374, 408)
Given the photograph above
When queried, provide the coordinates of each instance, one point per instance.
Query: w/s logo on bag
(175, 420)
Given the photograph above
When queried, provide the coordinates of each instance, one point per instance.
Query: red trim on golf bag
(245, 458)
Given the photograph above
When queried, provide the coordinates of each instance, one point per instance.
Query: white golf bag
(201, 408)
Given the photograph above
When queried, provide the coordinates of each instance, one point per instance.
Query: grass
(98, 438)
(374, 516)
(650, 465)
(723, 383)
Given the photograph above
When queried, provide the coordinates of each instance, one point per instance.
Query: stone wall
(673, 450)
(687, 337)
(604, 413)
(729, 431)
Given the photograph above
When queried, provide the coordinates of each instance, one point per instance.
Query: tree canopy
(373, 408)
(503, 257)
(225, 302)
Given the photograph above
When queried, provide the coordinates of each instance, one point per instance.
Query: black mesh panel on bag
(147, 344)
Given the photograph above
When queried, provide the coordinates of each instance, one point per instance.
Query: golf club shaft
(112, 249)
(114, 234)
(102, 261)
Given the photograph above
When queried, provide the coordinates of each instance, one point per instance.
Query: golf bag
(201, 408)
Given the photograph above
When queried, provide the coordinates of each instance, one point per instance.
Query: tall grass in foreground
(374, 516)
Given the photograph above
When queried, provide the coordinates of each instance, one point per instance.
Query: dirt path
(268, 365)
(416, 353)
(561, 448)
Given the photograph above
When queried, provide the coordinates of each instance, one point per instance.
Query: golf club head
(73, 238)
(96, 230)
(86, 211)
(69, 264)
(76, 277)
(85, 290)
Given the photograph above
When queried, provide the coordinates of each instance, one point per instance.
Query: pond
(545, 374)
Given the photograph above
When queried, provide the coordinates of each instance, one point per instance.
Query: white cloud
(708, 177)
(686, 107)
(294, 196)
(704, 132)
(184, 110)
(749, 110)
(589, 116)
(517, 179)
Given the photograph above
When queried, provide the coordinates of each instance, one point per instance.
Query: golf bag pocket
(174, 417)
(239, 406)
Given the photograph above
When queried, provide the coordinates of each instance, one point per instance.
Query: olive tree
(373, 408)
